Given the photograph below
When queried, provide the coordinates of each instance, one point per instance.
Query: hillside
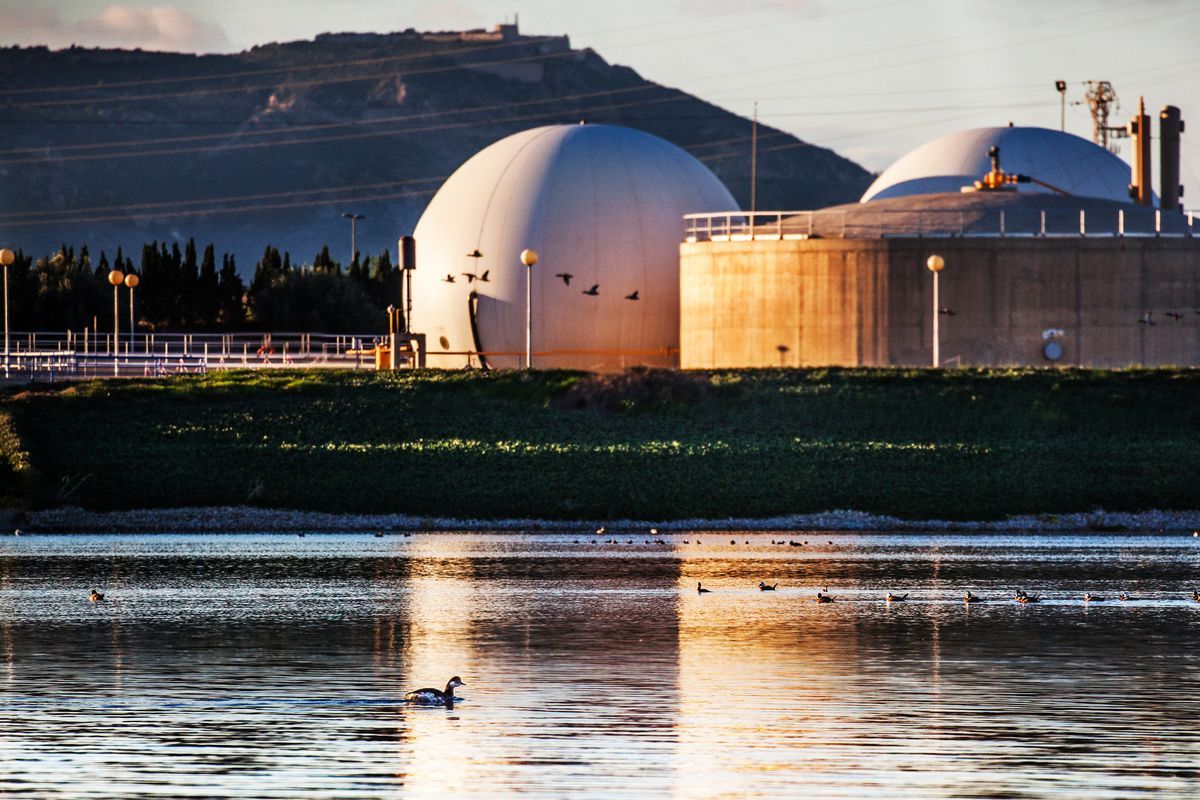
(273, 144)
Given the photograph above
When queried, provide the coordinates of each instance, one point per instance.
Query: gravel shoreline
(244, 518)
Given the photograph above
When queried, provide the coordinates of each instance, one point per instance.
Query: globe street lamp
(131, 280)
(936, 264)
(529, 257)
(116, 278)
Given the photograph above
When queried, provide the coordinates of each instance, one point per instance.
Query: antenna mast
(1101, 99)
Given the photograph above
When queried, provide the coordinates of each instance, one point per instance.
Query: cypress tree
(208, 291)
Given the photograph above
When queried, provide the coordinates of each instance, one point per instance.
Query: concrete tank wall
(1107, 302)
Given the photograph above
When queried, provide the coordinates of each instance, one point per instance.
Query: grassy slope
(957, 444)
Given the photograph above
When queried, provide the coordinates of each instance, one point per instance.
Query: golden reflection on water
(440, 597)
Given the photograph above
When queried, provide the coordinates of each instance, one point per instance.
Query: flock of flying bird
(565, 277)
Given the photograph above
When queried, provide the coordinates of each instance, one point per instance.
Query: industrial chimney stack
(1139, 129)
(1169, 127)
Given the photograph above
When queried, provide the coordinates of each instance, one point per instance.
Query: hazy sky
(868, 78)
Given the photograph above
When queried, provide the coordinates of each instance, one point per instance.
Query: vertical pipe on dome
(1170, 125)
(1139, 129)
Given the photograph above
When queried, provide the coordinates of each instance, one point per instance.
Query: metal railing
(867, 223)
(54, 355)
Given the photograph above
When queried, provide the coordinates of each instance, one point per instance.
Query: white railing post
(1043, 233)
(1158, 222)
(1082, 222)
(1120, 222)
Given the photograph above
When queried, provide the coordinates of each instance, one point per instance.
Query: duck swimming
(972, 598)
(1021, 597)
(762, 586)
(700, 589)
(435, 697)
(95, 597)
(1195, 596)
(1088, 597)
(1124, 597)
(896, 598)
(823, 598)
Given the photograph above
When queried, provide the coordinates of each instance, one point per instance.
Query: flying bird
(484, 277)
(593, 292)
(470, 276)
(633, 296)
(475, 254)
(448, 279)
(566, 277)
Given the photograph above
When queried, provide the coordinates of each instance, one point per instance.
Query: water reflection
(275, 666)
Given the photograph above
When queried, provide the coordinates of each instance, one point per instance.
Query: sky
(871, 79)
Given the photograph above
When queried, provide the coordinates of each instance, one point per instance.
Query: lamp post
(354, 218)
(936, 264)
(131, 280)
(6, 257)
(1061, 87)
(529, 257)
(116, 278)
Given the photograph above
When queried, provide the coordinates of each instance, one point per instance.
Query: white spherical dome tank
(1063, 160)
(601, 204)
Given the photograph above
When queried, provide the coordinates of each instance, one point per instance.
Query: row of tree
(180, 289)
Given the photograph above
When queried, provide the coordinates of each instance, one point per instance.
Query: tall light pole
(131, 280)
(1061, 86)
(936, 264)
(354, 218)
(529, 257)
(116, 278)
(6, 257)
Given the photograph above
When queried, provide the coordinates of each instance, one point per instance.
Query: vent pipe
(1169, 127)
(1139, 129)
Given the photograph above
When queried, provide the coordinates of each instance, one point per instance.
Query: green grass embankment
(962, 444)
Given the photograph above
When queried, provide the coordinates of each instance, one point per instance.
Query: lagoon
(274, 665)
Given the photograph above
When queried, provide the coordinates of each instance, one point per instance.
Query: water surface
(275, 666)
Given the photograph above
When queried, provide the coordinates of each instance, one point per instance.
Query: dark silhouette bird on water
(592, 292)
(95, 597)
(438, 697)
(700, 589)
(566, 277)
(448, 279)
(633, 296)
(763, 587)
(896, 598)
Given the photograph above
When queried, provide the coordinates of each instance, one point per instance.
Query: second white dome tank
(602, 204)
(1063, 160)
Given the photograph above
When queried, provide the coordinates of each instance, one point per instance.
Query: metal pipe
(1169, 127)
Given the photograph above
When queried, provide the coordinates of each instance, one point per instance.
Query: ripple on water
(275, 666)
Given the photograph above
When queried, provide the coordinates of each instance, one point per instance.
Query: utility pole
(754, 163)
